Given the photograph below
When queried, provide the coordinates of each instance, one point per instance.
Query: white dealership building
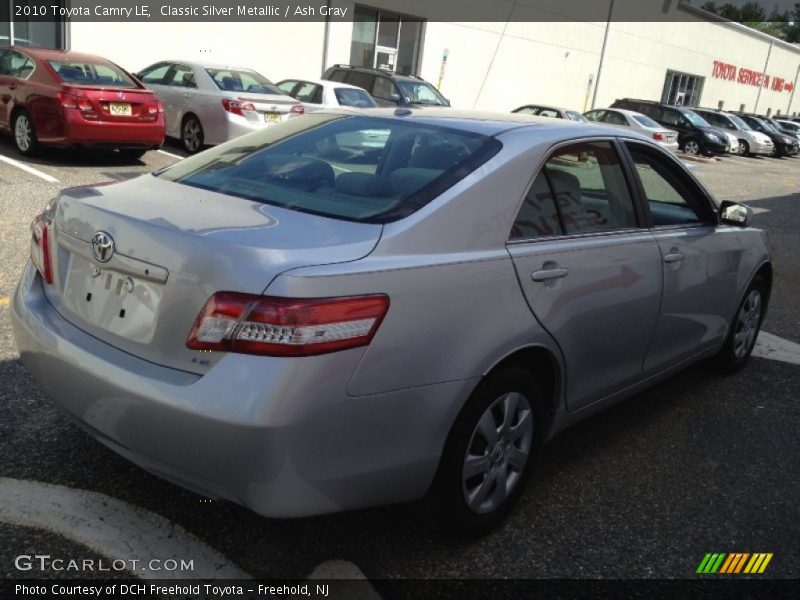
(519, 52)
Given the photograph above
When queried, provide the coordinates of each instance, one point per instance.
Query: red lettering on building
(744, 76)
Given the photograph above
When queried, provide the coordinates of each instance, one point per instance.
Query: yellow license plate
(116, 108)
(272, 117)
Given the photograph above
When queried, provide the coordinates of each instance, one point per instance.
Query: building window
(682, 89)
(28, 31)
(385, 40)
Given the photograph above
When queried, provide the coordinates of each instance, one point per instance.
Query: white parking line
(776, 348)
(178, 156)
(28, 169)
(111, 528)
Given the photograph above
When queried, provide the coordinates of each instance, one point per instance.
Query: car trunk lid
(112, 104)
(135, 262)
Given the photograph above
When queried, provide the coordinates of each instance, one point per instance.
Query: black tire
(734, 353)
(26, 142)
(192, 136)
(132, 154)
(446, 503)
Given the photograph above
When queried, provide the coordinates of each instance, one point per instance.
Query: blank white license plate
(121, 109)
(113, 301)
(272, 117)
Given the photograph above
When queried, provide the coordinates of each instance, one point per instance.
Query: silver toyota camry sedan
(302, 323)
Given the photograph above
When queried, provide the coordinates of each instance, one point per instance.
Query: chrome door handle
(547, 274)
(673, 257)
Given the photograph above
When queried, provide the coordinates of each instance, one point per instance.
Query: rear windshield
(354, 97)
(356, 168)
(81, 72)
(645, 121)
(235, 80)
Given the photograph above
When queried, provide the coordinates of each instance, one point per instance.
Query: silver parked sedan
(618, 117)
(303, 326)
(206, 104)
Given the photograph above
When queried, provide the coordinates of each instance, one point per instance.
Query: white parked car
(211, 104)
(750, 141)
(316, 94)
(638, 122)
(791, 126)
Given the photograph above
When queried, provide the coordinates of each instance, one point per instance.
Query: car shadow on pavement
(68, 158)
(615, 479)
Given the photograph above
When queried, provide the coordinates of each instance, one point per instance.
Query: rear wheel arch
(547, 370)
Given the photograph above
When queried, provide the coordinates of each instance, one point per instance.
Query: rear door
(700, 260)
(156, 78)
(589, 268)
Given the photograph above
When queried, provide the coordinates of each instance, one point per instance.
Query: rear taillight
(298, 109)
(658, 137)
(82, 103)
(40, 248)
(238, 108)
(154, 109)
(248, 324)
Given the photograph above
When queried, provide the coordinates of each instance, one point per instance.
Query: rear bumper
(280, 436)
(236, 126)
(80, 132)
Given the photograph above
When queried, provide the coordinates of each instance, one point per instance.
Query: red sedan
(67, 99)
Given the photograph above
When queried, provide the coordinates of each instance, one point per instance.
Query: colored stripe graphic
(733, 563)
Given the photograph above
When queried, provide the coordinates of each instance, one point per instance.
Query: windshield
(364, 169)
(420, 92)
(767, 125)
(354, 97)
(81, 72)
(240, 80)
(739, 123)
(645, 120)
(695, 119)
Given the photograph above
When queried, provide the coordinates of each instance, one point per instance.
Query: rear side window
(309, 92)
(14, 64)
(79, 72)
(363, 169)
(581, 189)
(614, 118)
(240, 80)
(362, 80)
(182, 76)
(383, 88)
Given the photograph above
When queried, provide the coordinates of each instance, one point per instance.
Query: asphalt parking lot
(701, 463)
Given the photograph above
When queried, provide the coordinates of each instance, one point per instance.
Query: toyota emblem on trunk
(102, 246)
(121, 95)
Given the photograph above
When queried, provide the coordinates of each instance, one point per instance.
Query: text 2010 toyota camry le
(303, 321)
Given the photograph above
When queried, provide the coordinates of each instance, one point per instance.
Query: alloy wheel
(691, 147)
(747, 324)
(192, 135)
(497, 453)
(23, 133)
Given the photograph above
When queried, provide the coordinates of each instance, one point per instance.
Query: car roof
(375, 71)
(481, 122)
(546, 106)
(50, 54)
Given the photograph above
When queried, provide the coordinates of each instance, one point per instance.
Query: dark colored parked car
(66, 99)
(388, 89)
(785, 144)
(695, 135)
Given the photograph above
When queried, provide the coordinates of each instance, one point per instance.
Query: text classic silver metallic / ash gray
(303, 320)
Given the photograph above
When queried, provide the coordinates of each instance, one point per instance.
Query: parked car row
(692, 130)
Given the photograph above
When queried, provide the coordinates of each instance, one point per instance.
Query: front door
(700, 261)
(589, 268)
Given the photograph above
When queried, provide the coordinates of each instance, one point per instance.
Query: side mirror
(733, 213)
(394, 97)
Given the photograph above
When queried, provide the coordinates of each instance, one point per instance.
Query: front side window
(240, 80)
(420, 92)
(81, 72)
(383, 88)
(287, 86)
(356, 168)
(669, 197)
(595, 115)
